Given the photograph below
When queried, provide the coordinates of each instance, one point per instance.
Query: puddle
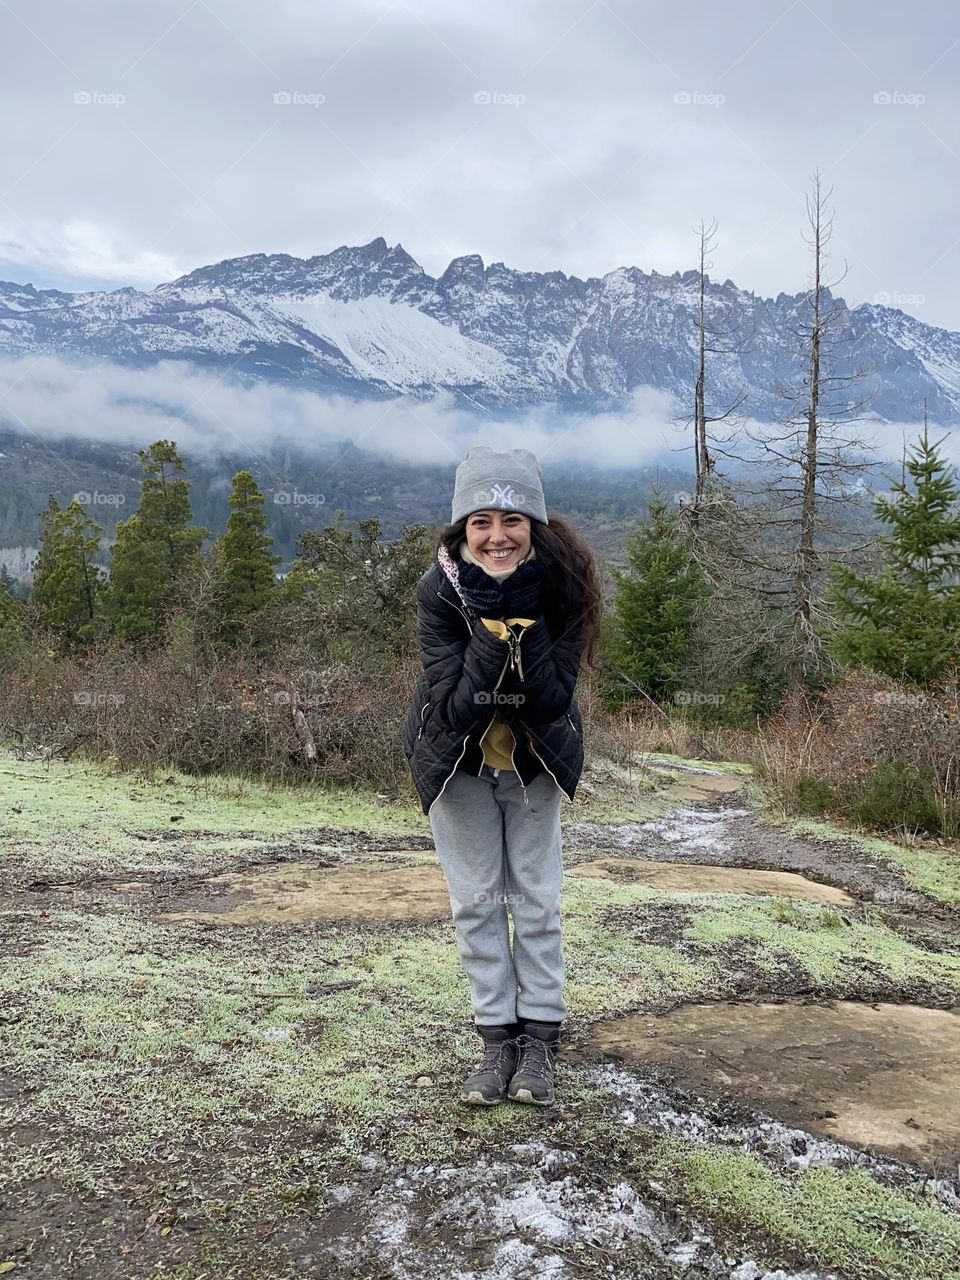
(692, 877)
(291, 894)
(880, 1076)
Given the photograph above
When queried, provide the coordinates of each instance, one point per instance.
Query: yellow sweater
(498, 742)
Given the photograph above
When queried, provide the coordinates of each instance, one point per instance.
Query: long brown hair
(571, 586)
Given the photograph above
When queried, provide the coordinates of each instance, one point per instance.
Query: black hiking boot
(533, 1078)
(487, 1083)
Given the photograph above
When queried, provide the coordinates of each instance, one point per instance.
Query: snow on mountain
(368, 321)
(397, 344)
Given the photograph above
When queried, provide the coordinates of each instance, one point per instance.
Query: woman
(494, 739)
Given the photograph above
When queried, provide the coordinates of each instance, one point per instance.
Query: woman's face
(498, 539)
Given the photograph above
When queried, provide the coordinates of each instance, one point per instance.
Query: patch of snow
(790, 1148)
(396, 343)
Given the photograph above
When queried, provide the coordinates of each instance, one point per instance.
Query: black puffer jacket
(469, 674)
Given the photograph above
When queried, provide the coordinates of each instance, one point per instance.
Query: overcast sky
(143, 139)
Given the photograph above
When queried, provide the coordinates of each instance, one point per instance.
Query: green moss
(139, 1037)
(726, 766)
(95, 818)
(842, 1220)
(933, 869)
(790, 935)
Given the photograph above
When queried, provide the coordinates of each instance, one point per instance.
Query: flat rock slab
(292, 894)
(696, 784)
(881, 1076)
(692, 877)
(701, 788)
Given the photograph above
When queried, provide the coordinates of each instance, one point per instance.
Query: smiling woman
(505, 615)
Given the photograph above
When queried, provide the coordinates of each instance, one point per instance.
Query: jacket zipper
(546, 766)
(423, 711)
(459, 610)
(523, 787)
(512, 661)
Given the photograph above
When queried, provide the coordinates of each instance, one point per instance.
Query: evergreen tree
(351, 591)
(9, 583)
(14, 637)
(152, 546)
(247, 558)
(905, 621)
(66, 583)
(654, 609)
(43, 564)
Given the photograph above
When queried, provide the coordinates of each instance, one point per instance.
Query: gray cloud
(598, 166)
(48, 399)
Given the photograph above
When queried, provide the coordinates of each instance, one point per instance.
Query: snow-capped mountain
(369, 321)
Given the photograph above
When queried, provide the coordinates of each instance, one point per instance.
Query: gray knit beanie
(507, 481)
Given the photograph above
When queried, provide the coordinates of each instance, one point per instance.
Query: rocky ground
(233, 1023)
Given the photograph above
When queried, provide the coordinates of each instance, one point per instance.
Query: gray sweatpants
(498, 852)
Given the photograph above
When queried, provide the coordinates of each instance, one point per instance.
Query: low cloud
(49, 399)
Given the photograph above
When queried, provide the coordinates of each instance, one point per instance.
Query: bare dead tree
(765, 544)
(719, 340)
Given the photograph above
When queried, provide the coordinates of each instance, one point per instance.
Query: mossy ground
(932, 868)
(174, 1091)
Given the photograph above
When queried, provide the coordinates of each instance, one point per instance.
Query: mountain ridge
(368, 321)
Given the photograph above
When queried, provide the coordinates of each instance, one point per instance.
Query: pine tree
(43, 563)
(350, 591)
(14, 637)
(247, 558)
(152, 546)
(67, 582)
(654, 609)
(905, 622)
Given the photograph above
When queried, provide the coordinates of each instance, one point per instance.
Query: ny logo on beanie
(501, 495)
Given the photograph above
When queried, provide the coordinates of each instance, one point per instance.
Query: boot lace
(496, 1055)
(536, 1057)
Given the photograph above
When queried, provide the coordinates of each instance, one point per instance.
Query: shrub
(899, 795)
(882, 752)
